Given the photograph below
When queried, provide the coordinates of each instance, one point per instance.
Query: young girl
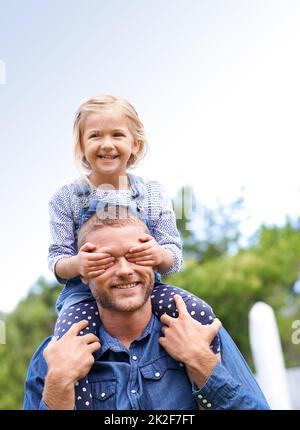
(110, 138)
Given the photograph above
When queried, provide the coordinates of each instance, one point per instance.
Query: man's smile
(126, 286)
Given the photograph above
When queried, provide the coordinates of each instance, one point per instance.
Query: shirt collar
(112, 343)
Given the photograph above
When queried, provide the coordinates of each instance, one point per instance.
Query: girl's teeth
(108, 157)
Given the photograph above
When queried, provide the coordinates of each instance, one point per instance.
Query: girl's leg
(81, 311)
(162, 302)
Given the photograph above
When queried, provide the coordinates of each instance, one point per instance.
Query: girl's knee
(74, 314)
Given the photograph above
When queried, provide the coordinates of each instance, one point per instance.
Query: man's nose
(123, 267)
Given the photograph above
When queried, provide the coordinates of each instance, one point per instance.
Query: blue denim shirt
(145, 376)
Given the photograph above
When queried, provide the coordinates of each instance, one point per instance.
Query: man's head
(124, 287)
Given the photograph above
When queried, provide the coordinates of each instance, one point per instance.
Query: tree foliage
(31, 321)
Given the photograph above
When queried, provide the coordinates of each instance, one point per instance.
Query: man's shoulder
(38, 361)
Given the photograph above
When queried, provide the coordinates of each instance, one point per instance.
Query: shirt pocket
(166, 385)
(104, 394)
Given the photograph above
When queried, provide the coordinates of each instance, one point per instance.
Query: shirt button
(134, 357)
(157, 374)
(133, 391)
(102, 394)
(208, 405)
(199, 396)
(204, 401)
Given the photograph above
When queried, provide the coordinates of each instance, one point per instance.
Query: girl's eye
(92, 136)
(118, 135)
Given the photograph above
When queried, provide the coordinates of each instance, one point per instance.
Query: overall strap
(83, 190)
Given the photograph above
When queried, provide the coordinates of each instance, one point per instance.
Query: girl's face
(107, 144)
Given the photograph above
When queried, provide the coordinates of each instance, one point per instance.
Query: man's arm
(56, 367)
(225, 383)
(34, 384)
(232, 384)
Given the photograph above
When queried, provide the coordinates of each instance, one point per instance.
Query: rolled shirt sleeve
(232, 384)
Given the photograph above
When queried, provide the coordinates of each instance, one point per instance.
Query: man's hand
(69, 359)
(188, 342)
(148, 254)
(92, 264)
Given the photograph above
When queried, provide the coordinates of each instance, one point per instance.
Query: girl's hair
(104, 103)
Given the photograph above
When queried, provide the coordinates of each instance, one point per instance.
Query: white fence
(281, 387)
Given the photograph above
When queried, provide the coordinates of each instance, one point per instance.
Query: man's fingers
(166, 319)
(89, 338)
(214, 327)
(77, 328)
(180, 305)
(162, 340)
(52, 342)
(93, 347)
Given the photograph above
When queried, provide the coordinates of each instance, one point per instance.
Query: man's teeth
(132, 285)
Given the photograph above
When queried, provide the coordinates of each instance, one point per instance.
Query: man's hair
(95, 223)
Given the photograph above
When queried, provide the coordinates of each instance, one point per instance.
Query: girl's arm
(167, 261)
(67, 268)
(65, 260)
(62, 254)
(167, 235)
(87, 263)
(164, 249)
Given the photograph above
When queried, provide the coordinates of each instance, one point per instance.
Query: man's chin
(125, 300)
(128, 304)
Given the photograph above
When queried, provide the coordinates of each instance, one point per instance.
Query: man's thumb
(88, 247)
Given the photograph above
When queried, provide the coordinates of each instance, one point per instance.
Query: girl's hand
(148, 254)
(91, 263)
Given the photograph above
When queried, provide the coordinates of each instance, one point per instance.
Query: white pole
(268, 357)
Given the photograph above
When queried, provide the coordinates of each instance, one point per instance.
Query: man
(138, 362)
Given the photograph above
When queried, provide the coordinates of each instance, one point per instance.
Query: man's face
(125, 286)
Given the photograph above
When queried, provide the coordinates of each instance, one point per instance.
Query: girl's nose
(107, 143)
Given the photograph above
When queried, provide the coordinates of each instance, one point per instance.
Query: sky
(215, 82)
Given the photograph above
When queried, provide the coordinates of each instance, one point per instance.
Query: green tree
(31, 321)
(207, 233)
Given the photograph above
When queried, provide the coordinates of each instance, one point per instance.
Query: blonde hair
(104, 103)
(95, 223)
